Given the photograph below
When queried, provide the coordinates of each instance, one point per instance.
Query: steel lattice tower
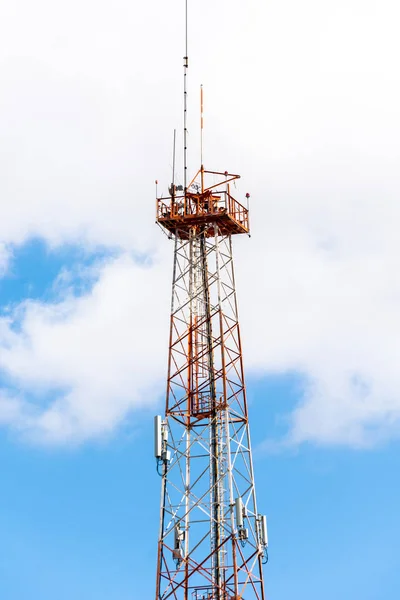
(212, 540)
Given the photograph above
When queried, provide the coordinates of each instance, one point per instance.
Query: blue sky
(302, 100)
(84, 523)
(81, 522)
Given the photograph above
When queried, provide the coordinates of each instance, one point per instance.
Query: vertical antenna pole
(173, 186)
(173, 158)
(185, 68)
(201, 138)
(201, 125)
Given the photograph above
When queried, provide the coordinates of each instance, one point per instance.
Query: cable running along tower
(212, 539)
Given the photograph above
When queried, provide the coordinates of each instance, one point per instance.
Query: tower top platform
(203, 206)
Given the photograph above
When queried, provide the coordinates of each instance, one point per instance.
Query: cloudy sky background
(301, 99)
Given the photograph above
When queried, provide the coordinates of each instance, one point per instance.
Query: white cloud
(95, 354)
(5, 256)
(302, 99)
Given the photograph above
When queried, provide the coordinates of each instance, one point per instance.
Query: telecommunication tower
(212, 539)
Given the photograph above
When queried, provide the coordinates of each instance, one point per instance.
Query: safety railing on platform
(202, 205)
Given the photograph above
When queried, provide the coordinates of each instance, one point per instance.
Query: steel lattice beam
(205, 549)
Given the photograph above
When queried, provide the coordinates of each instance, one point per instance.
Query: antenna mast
(185, 69)
(173, 161)
(201, 138)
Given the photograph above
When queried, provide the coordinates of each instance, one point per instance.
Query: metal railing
(202, 205)
(204, 594)
(201, 403)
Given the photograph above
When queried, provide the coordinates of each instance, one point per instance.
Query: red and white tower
(212, 539)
